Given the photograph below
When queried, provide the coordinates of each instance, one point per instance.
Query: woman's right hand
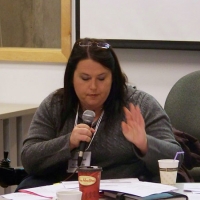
(81, 132)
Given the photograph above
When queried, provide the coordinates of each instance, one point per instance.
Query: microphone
(88, 117)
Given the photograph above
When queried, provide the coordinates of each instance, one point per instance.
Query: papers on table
(22, 196)
(138, 188)
(49, 191)
(192, 187)
(129, 185)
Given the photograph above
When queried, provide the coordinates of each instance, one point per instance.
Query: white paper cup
(168, 171)
(70, 194)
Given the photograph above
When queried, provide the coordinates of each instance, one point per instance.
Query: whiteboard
(152, 22)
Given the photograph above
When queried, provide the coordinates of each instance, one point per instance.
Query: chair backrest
(183, 104)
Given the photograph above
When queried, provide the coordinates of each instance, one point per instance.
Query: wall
(29, 82)
(154, 71)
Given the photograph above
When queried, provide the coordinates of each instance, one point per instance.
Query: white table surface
(15, 110)
(190, 195)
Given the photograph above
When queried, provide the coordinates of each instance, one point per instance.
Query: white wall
(154, 71)
(29, 82)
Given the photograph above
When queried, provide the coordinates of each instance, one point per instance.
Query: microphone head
(88, 117)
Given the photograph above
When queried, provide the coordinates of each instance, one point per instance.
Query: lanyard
(96, 127)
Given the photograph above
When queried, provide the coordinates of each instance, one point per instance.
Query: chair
(183, 108)
(10, 176)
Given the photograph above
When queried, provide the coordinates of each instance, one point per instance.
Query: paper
(22, 196)
(48, 191)
(193, 196)
(122, 180)
(141, 189)
(192, 187)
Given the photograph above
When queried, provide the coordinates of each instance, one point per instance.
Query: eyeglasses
(102, 45)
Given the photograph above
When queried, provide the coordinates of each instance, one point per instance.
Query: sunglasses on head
(102, 45)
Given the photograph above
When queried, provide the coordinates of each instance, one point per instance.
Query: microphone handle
(81, 151)
(82, 148)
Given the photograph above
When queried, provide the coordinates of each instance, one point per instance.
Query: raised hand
(134, 128)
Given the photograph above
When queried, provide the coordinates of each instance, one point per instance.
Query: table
(191, 196)
(11, 114)
(8, 111)
(180, 187)
(15, 110)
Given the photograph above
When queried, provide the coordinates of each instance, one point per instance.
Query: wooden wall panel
(30, 23)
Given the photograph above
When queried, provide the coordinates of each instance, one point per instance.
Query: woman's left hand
(134, 128)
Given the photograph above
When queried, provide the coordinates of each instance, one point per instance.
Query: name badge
(73, 162)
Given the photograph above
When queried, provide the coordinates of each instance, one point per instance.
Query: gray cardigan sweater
(46, 150)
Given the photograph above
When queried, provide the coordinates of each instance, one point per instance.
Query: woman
(129, 134)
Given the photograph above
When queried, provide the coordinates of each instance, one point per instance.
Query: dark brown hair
(101, 52)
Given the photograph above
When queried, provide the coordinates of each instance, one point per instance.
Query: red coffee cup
(89, 182)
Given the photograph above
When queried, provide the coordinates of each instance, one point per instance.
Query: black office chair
(183, 107)
(8, 175)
